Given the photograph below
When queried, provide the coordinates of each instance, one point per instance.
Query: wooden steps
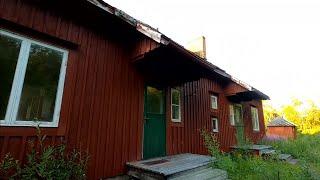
(206, 173)
(257, 149)
(265, 150)
(285, 157)
(177, 167)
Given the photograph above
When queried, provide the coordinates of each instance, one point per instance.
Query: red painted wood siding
(102, 107)
(185, 137)
(283, 132)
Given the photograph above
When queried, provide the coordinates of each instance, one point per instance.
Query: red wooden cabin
(281, 128)
(97, 78)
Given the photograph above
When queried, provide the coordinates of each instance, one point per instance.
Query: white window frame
(214, 101)
(231, 115)
(214, 121)
(18, 81)
(241, 120)
(176, 105)
(255, 119)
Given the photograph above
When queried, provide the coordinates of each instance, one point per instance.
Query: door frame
(239, 125)
(165, 112)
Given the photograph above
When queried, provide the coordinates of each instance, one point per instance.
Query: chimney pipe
(198, 46)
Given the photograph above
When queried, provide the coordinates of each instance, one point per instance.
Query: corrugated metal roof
(280, 121)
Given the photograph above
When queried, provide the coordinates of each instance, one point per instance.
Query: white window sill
(29, 124)
(176, 120)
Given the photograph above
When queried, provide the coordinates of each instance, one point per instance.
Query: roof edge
(159, 37)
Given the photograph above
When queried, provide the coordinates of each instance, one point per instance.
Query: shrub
(51, 162)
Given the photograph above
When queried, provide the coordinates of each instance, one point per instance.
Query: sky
(273, 45)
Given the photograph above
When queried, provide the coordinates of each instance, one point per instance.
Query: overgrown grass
(255, 168)
(306, 148)
(242, 165)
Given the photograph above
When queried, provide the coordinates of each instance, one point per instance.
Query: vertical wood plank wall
(282, 132)
(197, 115)
(102, 107)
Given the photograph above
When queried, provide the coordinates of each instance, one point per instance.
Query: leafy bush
(243, 165)
(51, 162)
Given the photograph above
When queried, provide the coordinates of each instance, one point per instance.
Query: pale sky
(273, 45)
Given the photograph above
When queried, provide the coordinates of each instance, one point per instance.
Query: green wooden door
(238, 116)
(154, 139)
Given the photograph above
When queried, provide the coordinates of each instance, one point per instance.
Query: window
(155, 101)
(175, 105)
(231, 115)
(255, 119)
(238, 115)
(214, 102)
(215, 127)
(32, 77)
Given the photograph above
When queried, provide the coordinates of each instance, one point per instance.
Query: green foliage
(247, 166)
(306, 115)
(51, 162)
(307, 149)
(211, 143)
(254, 167)
(269, 112)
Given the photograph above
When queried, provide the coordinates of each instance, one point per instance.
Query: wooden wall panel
(197, 115)
(102, 107)
(282, 132)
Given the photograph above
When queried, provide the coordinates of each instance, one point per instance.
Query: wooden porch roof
(168, 65)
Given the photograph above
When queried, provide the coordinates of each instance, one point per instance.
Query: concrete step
(204, 174)
(266, 152)
(293, 161)
(168, 167)
(285, 157)
(256, 147)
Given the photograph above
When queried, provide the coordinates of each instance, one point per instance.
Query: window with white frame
(231, 115)
(255, 119)
(214, 102)
(32, 78)
(175, 105)
(215, 124)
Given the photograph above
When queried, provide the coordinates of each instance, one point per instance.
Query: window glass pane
(40, 84)
(214, 103)
(231, 114)
(255, 119)
(175, 112)
(155, 100)
(9, 53)
(238, 115)
(175, 96)
(214, 124)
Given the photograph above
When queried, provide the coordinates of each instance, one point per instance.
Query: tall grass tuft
(306, 148)
(247, 166)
